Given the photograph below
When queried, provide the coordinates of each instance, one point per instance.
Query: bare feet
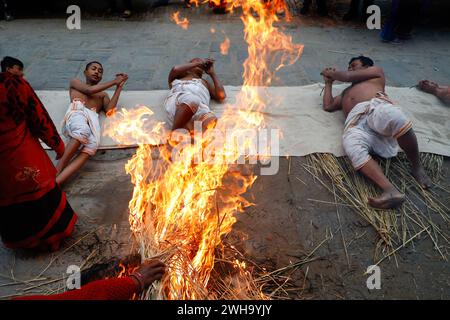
(428, 86)
(388, 200)
(422, 178)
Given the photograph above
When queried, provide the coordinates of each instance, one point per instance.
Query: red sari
(33, 209)
(109, 289)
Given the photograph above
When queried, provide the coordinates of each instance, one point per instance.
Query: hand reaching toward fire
(148, 272)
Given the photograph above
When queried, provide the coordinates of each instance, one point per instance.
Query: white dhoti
(82, 124)
(192, 93)
(373, 127)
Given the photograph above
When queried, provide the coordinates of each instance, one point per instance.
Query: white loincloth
(82, 124)
(192, 93)
(373, 127)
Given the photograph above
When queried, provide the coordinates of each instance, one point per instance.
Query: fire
(194, 2)
(181, 208)
(225, 46)
(111, 112)
(183, 23)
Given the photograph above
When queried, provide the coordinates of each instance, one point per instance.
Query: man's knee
(182, 116)
(209, 122)
(192, 102)
(87, 152)
(356, 151)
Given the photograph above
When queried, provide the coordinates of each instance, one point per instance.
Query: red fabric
(42, 222)
(54, 241)
(109, 289)
(35, 239)
(26, 171)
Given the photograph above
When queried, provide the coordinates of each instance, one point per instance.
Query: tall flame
(225, 46)
(180, 210)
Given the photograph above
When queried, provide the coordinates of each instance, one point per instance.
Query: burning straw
(395, 228)
(180, 211)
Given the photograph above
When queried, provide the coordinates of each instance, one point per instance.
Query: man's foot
(387, 200)
(422, 178)
(428, 86)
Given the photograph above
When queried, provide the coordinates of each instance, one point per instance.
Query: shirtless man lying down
(373, 125)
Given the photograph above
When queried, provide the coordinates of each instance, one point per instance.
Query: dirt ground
(286, 224)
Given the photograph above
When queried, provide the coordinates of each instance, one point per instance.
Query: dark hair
(366, 61)
(91, 63)
(9, 62)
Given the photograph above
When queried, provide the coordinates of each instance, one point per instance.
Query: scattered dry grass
(421, 214)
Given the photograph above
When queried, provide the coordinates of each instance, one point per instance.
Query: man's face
(356, 65)
(94, 73)
(16, 70)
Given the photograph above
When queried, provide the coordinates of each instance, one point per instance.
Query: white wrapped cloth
(373, 127)
(192, 93)
(82, 124)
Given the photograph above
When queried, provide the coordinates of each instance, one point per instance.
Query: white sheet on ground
(306, 127)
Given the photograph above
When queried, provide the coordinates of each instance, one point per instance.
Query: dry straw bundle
(422, 213)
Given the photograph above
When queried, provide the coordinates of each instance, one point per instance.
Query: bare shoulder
(73, 82)
(378, 70)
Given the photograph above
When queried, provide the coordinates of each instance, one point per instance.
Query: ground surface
(286, 222)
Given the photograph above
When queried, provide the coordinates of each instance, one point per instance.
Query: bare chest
(94, 101)
(358, 93)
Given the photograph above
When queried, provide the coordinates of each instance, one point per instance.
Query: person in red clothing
(114, 288)
(34, 211)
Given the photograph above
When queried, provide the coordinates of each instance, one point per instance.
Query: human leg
(357, 143)
(71, 148)
(73, 167)
(408, 143)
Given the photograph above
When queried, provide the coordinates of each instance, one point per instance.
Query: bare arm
(431, 87)
(90, 90)
(110, 104)
(216, 91)
(443, 93)
(180, 70)
(355, 76)
(331, 103)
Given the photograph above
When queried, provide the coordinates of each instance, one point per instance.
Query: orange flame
(181, 208)
(225, 46)
(111, 112)
(183, 23)
(194, 2)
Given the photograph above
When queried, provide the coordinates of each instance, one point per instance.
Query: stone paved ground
(145, 47)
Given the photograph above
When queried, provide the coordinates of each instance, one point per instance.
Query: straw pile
(421, 215)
